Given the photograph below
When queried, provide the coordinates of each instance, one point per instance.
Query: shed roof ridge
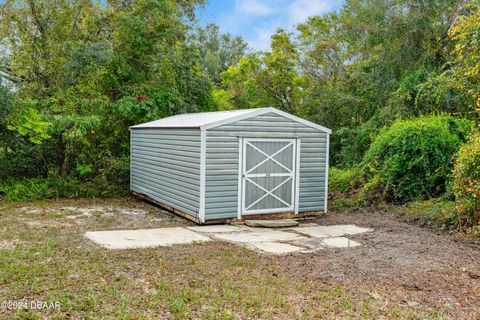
(218, 111)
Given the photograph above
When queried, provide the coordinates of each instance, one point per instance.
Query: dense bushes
(466, 186)
(413, 158)
(111, 179)
(341, 180)
(343, 186)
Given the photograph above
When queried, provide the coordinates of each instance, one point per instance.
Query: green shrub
(341, 180)
(350, 144)
(413, 158)
(466, 183)
(343, 187)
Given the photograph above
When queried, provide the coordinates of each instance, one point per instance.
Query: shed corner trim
(203, 168)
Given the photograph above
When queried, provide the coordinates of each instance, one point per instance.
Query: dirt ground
(401, 271)
(404, 261)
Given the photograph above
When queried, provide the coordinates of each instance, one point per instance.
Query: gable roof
(208, 120)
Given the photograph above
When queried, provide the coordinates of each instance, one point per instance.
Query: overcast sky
(257, 20)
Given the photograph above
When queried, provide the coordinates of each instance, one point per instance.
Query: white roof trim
(260, 111)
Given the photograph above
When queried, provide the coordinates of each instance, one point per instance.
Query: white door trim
(244, 175)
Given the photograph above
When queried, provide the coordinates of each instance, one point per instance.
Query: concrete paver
(264, 235)
(144, 238)
(340, 242)
(331, 231)
(275, 247)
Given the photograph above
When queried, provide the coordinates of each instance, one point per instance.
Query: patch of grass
(439, 213)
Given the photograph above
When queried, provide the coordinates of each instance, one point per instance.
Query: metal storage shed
(217, 166)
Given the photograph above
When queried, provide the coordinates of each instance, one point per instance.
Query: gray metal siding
(165, 165)
(221, 198)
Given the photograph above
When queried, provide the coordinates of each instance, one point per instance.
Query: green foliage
(466, 185)
(111, 180)
(7, 106)
(438, 213)
(402, 102)
(83, 169)
(222, 99)
(240, 83)
(7, 103)
(269, 79)
(413, 158)
(217, 51)
(342, 180)
(57, 187)
(440, 93)
(345, 188)
(352, 143)
(465, 33)
(30, 123)
(365, 71)
(424, 91)
(85, 71)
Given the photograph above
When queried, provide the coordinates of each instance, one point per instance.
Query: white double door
(268, 179)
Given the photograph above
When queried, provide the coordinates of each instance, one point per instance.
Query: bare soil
(402, 261)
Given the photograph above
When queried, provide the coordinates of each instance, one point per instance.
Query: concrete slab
(262, 235)
(331, 231)
(340, 242)
(216, 228)
(144, 238)
(281, 223)
(275, 247)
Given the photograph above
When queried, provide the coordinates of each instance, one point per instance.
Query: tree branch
(9, 74)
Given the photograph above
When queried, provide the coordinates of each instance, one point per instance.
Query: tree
(217, 51)
(86, 70)
(267, 79)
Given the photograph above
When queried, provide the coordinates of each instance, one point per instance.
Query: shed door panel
(268, 175)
